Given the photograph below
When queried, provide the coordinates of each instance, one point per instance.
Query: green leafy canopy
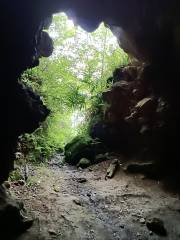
(70, 81)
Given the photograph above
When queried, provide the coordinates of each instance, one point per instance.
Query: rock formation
(147, 30)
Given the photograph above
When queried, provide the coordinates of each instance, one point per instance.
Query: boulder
(83, 147)
(149, 169)
(118, 99)
(84, 163)
(130, 73)
(146, 107)
(12, 221)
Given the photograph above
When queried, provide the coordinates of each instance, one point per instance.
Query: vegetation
(70, 83)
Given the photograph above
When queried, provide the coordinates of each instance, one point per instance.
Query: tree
(71, 79)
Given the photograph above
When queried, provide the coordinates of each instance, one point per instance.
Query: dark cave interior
(147, 30)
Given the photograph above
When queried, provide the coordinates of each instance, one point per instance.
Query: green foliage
(15, 175)
(70, 83)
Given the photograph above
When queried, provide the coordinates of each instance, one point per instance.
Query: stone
(142, 220)
(78, 148)
(146, 107)
(112, 169)
(84, 163)
(150, 233)
(118, 99)
(149, 169)
(56, 189)
(156, 225)
(130, 73)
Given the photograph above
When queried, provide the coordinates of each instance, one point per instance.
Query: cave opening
(116, 189)
(70, 83)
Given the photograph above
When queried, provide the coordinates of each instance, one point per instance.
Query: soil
(68, 203)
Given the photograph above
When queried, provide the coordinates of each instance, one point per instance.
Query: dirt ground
(67, 207)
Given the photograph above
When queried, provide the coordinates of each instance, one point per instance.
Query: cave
(147, 31)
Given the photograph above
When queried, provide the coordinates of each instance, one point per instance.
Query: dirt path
(67, 208)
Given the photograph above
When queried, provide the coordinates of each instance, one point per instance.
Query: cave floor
(64, 207)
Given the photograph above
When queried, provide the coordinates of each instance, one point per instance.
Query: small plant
(16, 175)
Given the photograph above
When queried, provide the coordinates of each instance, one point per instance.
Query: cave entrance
(70, 202)
(71, 82)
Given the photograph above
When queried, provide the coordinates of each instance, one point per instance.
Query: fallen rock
(112, 169)
(149, 169)
(84, 163)
(56, 188)
(146, 106)
(142, 220)
(156, 225)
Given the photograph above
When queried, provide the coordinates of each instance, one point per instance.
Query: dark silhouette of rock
(12, 221)
(156, 225)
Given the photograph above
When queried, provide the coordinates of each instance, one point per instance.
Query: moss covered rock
(78, 148)
(84, 163)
